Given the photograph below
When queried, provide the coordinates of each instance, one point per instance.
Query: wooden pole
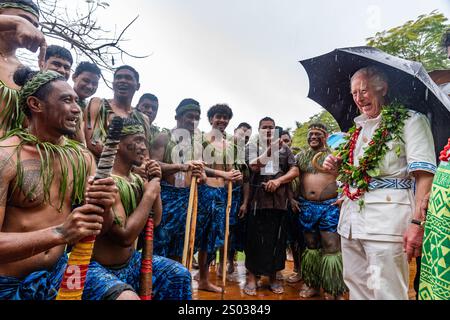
(193, 229)
(146, 283)
(227, 234)
(189, 221)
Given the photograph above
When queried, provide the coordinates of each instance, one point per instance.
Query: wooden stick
(227, 233)
(72, 284)
(146, 284)
(193, 229)
(188, 221)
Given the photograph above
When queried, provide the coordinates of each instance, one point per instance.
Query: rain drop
(335, 57)
(426, 94)
(328, 91)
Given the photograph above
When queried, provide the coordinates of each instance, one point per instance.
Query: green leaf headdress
(26, 5)
(70, 154)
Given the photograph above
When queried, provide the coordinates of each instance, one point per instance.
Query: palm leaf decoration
(130, 191)
(11, 116)
(71, 156)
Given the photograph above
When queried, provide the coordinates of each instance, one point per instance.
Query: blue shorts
(170, 279)
(44, 285)
(318, 215)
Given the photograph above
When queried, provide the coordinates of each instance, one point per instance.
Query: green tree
(299, 138)
(419, 40)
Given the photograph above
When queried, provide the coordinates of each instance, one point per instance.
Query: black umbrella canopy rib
(329, 79)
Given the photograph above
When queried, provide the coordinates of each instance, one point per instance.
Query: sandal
(250, 290)
(277, 288)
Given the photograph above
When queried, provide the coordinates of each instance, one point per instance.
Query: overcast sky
(245, 52)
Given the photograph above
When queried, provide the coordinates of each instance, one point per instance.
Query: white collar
(364, 119)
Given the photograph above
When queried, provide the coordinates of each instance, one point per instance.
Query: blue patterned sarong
(215, 201)
(44, 284)
(235, 204)
(171, 280)
(169, 235)
(321, 215)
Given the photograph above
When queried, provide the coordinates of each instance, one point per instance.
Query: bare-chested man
(319, 216)
(19, 21)
(219, 157)
(43, 176)
(179, 152)
(137, 196)
(99, 112)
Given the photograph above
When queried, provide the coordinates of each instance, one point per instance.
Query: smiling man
(219, 158)
(321, 263)
(85, 84)
(85, 81)
(136, 199)
(100, 111)
(39, 190)
(58, 59)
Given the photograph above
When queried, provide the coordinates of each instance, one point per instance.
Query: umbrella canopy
(329, 85)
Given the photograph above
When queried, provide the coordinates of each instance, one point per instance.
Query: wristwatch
(420, 223)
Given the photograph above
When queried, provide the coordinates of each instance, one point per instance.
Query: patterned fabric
(386, 183)
(435, 267)
(44, 284)
(422, 166)
(235, 204)
(215, 200)
(169, 235)
(320, 215)
(170, 279)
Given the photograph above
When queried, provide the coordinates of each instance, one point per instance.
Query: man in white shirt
(378, 238)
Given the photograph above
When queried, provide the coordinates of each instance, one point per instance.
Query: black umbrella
(329, 85)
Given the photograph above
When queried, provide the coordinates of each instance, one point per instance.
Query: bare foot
(328, 296)
(308, 292)
(208, 286)
(197, 276)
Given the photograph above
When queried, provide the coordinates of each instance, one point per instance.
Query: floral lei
(391, 126)
(445, 153)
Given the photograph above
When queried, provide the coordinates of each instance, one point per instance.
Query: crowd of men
(52, 136)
